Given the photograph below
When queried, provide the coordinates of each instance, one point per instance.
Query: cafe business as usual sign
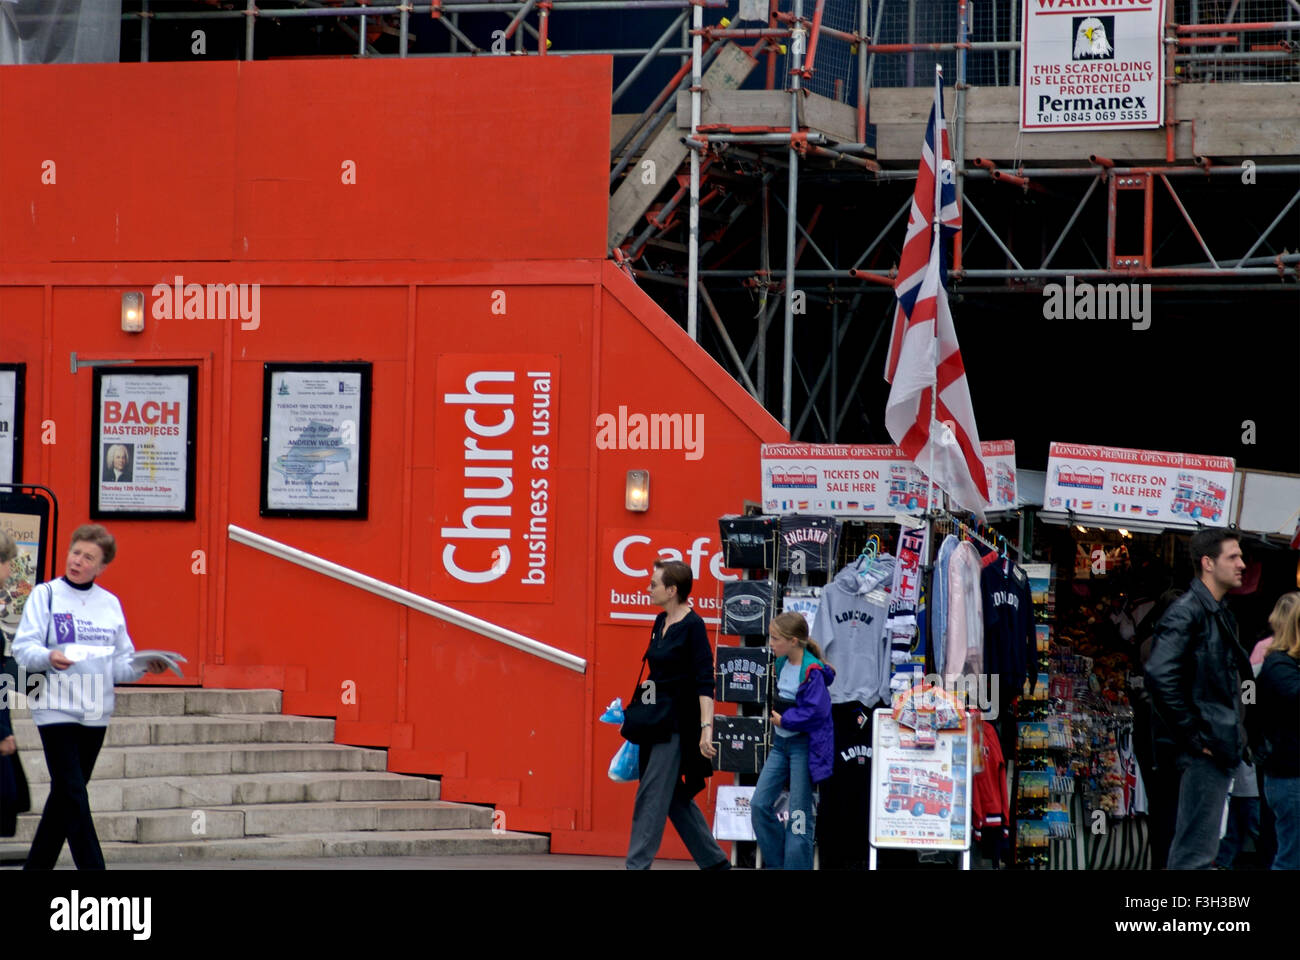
(1092, 65)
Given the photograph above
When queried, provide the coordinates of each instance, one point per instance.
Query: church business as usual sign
(1092, 65)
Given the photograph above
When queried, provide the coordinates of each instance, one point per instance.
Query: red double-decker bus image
(1197, 497)
(919, 792)
(907, 490)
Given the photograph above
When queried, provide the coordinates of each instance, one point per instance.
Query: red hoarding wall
(509, 361)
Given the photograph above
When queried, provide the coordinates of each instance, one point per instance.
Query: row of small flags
(1133, 508)
(833, 505)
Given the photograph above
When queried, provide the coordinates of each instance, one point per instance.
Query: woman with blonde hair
(803, 747)
(1279, 706)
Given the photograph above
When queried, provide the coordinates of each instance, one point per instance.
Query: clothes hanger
(869, 553)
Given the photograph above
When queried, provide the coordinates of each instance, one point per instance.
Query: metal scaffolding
(843, 50)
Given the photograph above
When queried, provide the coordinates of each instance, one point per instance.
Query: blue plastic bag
(626, 765)
(613, 713)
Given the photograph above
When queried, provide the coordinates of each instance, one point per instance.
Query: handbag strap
(645, 657)
(49, 624)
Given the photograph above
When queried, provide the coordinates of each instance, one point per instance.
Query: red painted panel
(453, 177)
(141, 158)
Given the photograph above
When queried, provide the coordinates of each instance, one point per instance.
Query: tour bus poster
(921, 795)
(142, 443)
(315, 440)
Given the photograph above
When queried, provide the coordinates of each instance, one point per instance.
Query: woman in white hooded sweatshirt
(73, 706)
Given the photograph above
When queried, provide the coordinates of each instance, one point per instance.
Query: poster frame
(20, 389)
(191, 373)
(881, 758)
(362, 509)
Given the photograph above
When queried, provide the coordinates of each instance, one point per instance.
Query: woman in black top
(673, 771)
(1279, 703)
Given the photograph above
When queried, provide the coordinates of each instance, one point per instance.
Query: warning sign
(1092, 65)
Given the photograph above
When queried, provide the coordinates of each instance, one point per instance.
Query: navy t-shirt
(1009, 646)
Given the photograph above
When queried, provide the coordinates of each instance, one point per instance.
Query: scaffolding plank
(1256, 120)
(633, 197)
(771, 108)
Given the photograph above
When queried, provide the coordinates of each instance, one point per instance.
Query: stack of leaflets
(171, 658)
(76, 652)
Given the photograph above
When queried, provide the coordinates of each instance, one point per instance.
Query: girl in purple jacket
(802, 750)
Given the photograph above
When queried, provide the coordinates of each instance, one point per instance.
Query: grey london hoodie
(850, 626)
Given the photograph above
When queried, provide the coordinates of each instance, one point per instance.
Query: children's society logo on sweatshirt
(65, 630)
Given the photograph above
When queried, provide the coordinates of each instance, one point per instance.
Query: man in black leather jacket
(1195, 676)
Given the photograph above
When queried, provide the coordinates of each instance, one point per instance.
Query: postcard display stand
(1075, 784)
(1043, 786)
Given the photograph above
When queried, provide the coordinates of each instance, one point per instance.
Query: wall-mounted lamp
(1081, 528)
(638, 491)
(133, 312)
(1124, 533)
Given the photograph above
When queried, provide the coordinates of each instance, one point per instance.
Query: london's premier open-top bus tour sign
(1166, 488)
(866, 481)
(1092, 65)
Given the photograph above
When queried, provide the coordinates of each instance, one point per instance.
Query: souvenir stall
(1033, 618)
(841, 540)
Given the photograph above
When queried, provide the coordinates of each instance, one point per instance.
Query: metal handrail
(416, 602)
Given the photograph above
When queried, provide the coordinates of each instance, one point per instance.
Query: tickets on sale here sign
(866, 480)
(1092, 65)
(1113, 482)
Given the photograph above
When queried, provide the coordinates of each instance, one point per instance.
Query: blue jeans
(1243, 822)
(789, 845)
(1283, 795)
(1202, 794)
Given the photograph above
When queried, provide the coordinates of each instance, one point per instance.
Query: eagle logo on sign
(1091, 41)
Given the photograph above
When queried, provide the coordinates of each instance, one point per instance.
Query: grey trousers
(1202, 793)
(661, 796)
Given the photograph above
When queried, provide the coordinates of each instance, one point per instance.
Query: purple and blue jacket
(811, 714)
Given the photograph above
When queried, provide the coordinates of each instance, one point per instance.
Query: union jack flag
(923, 352)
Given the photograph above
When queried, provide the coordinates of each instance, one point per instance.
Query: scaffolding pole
(693, 258)
(791, 213)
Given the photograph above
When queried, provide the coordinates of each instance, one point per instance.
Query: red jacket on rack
(989, 786)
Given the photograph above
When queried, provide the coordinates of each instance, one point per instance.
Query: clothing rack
(946, 523)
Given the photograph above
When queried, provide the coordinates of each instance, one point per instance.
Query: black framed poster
(142, 443)
(12, 387)
(316, 440)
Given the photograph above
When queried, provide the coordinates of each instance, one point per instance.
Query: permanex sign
(627, 559)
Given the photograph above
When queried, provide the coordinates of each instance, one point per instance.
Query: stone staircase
(189, 774)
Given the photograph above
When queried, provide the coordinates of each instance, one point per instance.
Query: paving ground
(496, 861)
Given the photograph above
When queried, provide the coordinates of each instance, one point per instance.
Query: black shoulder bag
(648, 715)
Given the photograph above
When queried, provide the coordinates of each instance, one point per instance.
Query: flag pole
(935, 238)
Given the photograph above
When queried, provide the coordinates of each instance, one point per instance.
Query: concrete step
(346, 844)
(193, 728)
(108, 796)
(224, 823)
(117, 763)
(254, 783)
(179, 701)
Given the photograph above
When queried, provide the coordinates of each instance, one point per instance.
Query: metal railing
(424, 605)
